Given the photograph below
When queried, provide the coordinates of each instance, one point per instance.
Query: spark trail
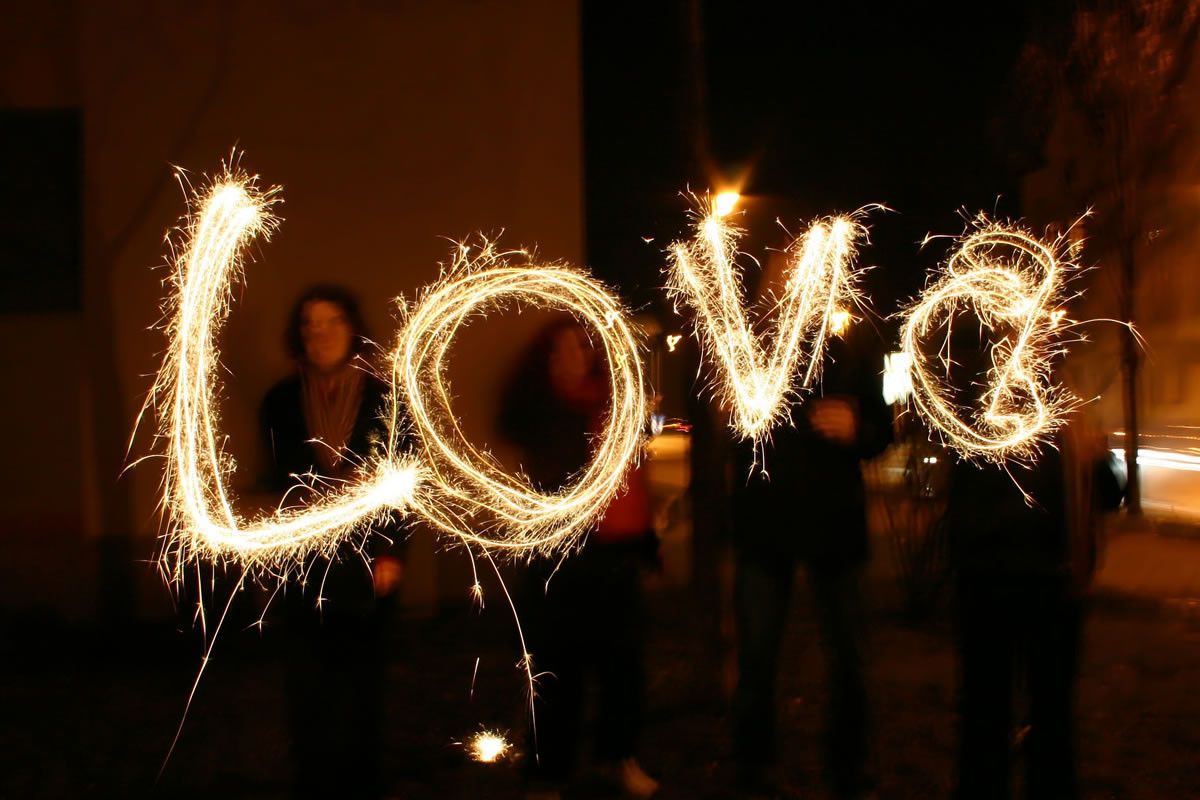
(758, 374)
(442, 478)
(1013, 283)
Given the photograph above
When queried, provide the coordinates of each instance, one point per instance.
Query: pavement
(93, 715)
(1151, 558)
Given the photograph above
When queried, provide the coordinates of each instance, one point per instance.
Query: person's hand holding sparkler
(834, 418)
(387, 573)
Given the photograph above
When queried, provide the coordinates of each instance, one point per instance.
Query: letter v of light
(759, 374)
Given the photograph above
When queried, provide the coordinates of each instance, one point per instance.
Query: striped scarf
(331, 404)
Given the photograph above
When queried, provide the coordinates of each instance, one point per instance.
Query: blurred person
(324, 420)
(584, 612)
(799, 498)
(1023, 544)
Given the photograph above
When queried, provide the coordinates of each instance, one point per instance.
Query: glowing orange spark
(724, 203)
(840, 320)
(488, 747)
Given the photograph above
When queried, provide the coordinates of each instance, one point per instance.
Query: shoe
(634, 780)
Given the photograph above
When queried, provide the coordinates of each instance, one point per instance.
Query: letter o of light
(466, 482)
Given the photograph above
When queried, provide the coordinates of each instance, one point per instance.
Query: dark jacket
(552, 434)
(347, 585)
(289, 450)
(810, 501)
(993, 528)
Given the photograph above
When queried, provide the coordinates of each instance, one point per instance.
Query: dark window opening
(40, 211)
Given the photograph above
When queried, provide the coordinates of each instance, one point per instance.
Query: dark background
(811, 109)
(808, 109)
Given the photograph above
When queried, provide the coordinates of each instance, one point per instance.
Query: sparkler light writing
(1014, 284)
(444, 479)
(467, 491)
(759, 373)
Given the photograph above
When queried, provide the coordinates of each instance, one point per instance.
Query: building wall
(389, 126)
(1166, 295)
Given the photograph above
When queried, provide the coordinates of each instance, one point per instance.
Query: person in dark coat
(1023, 544)
(800, 498)
(325, 420)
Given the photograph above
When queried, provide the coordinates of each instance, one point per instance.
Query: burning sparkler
(1014, 284)
(487, 746)
(461, 490)
(759, 373)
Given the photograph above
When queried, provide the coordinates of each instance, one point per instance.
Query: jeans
(763, 590)
(335, 694)
(585, 629)
(1010, 626)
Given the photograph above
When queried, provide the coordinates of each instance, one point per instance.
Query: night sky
(393, 124)
(822, 109)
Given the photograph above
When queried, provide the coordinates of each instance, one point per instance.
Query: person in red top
(584, 615)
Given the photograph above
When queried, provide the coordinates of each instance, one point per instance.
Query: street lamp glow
(897, 380)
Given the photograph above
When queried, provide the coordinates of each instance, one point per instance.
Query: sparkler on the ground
(758, 373)
(445, 479)
(1014, 284)
(487, 746)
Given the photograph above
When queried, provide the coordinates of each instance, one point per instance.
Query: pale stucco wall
(389, 125)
